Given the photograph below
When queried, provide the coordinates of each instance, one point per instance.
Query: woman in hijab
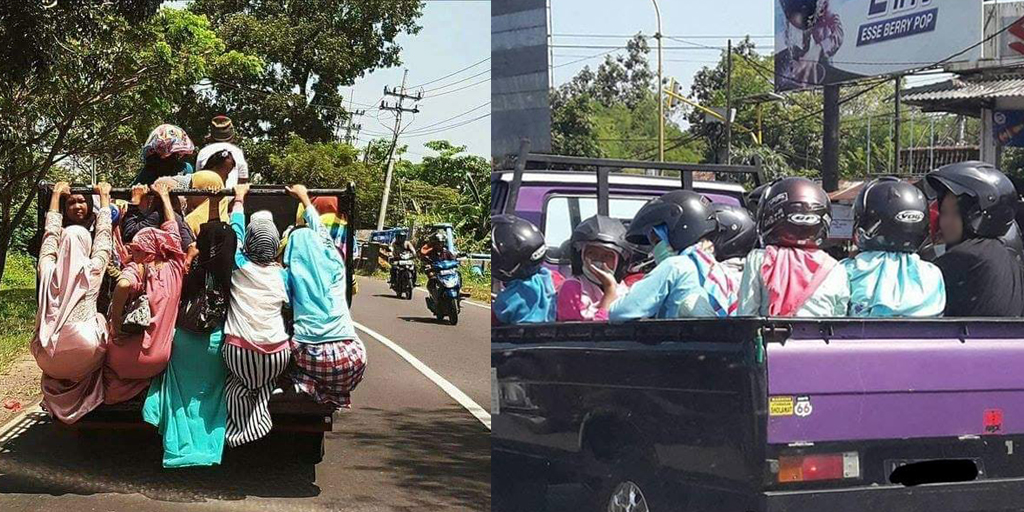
(71, 337)
(255, 340)
(330, 218)
(165, 153)
(186, 402)
(145, 211)
(199, 211)
(156, 269)
(329, 357)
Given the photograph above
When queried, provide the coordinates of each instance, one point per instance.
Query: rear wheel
(628, 483)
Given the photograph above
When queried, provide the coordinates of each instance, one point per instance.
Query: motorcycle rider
(517, 254)
(977, 207)
(598, 241)
(687, 281)
(887, 278)
(791, 276)
(399, 245)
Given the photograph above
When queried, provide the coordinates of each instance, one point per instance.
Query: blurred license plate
(892, 464)
(448, 272)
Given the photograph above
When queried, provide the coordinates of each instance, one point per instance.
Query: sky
(708, 23)
(455, 35)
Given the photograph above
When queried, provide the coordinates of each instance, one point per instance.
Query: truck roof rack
(604, 166)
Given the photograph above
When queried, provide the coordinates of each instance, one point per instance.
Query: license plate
(448, 272)
(892, 464)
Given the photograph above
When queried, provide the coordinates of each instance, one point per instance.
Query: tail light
(814, 467)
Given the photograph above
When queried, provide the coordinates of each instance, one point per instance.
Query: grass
(478, 287)
(17, 307)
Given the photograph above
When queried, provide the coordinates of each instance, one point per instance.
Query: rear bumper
(981, 495)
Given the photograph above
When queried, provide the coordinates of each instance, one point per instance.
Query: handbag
(138, 315)
(205, 308)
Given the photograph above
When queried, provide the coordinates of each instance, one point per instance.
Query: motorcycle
(404, 275)
(444, 287)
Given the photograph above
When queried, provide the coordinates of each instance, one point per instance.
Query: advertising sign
(1008, 127)
(822, 42)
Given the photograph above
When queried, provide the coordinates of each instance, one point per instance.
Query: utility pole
(896, 129)
(728, 105)
(351, 127)
(661, 86)
(398, 109)
(830, 140)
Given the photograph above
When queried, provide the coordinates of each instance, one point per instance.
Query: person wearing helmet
(399, 245)
(735, 238)
(517, 256)
(887, 278)
(687, 281)
(598, 242)
(791, 276)
(977, 204)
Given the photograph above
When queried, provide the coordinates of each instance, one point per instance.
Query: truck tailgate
(895, 380)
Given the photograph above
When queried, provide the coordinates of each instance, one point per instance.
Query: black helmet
(754, 198)
(890, 215)
(600, 230)
(737, 233)
(1013, 241)
(986, 197)
(687, 215)
(794, 212)
(517, 247)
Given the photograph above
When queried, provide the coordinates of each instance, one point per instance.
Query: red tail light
(809, 468)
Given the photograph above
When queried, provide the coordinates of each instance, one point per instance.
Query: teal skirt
(187, 403)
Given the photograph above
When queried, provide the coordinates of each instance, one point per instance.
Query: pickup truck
(752, 414)
(304, 420)
(765, 414)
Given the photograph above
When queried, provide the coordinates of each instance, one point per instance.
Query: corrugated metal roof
(1002, 86)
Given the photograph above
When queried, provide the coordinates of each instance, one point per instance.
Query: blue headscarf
(893, 284)
(530, 300)
(316, 284)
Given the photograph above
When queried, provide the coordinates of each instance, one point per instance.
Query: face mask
(663, 251)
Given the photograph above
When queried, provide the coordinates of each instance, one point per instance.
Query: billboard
(1008, 127)
(822, 42)
(519, 76)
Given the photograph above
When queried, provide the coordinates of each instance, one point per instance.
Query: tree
(613, 112)
(101, 82)
(310, 50)
(329, 165)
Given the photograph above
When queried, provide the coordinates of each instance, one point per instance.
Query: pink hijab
(792, 275)
(63, 284)
(157, 244)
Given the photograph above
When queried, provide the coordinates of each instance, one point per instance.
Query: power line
(398, 108)
(460, 88)
(623, 36)
(471, 66)
(484, 72)
(449, 127)
(424, 128)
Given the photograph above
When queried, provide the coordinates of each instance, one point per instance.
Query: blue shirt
(525, 301)
(672, 290)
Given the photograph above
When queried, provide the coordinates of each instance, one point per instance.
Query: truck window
(564, 213)
(498, 191)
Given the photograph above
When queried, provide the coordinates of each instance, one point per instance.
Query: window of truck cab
(563, 212)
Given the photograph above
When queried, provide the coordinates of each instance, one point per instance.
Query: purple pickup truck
(756, 414)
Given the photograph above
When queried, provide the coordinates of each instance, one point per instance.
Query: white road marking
(463, 399)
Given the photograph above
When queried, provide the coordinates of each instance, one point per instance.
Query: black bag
(204, 309)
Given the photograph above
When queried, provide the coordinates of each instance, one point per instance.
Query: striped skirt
(250, 382)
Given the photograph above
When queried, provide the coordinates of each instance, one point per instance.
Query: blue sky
(455, 35)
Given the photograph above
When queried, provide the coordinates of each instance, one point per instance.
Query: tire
(628, 484)
(453, 314)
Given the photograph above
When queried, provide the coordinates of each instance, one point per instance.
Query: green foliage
(101, 83)
(309, 51)
(613, 112)
(329, 165)
(17, 307)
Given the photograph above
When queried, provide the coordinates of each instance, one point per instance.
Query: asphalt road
(405, 445)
